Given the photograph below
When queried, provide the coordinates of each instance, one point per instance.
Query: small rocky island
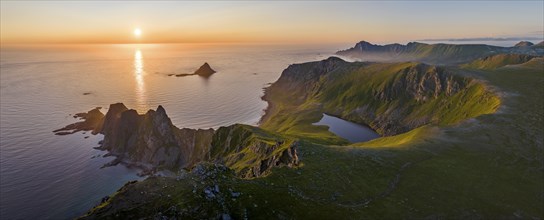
(204, 71)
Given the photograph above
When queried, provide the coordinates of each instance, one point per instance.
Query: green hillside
(499, 60)
(391, 98)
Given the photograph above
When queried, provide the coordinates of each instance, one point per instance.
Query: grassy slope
(489, 167)
(470, 102)
(428, 53)
(241, 147)
(499, 60)
(439, 53)
(351, 87)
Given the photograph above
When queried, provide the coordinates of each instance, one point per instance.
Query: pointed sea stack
(205, 70)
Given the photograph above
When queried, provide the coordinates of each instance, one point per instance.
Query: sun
(137, 32)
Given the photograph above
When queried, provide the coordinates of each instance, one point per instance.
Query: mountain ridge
(440, 53)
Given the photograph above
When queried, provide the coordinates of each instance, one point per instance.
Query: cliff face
(391, 98)
(251, 151)
(303, 78)
(430, 53)
(420, 82)
(152, 139)
(410, 98)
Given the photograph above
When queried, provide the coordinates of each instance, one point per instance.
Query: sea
(44, 176)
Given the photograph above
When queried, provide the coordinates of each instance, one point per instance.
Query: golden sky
(265, 22)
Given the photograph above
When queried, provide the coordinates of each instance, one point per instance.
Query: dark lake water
(348, 130)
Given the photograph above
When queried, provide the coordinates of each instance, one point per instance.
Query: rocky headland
(152, 142)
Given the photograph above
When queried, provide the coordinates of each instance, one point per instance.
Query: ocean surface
(43, 176)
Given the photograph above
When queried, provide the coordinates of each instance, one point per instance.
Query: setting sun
(137, 32)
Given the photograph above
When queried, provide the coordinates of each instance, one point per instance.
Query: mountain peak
(205, 70)
(524, 44)
(365, 43)
(334, 59)
(161, 110)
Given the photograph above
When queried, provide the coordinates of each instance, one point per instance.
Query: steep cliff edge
(251, 151)
(152, 140)
(391, 98)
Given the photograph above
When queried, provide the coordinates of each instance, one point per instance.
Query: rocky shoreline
(152, 143)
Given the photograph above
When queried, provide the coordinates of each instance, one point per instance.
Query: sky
(266, 21)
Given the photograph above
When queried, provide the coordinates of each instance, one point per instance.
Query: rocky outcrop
(524, 44)
(420, 82)
(92, 122)
(151, 138)
(303, 77)
(430, 53)
(205, 70)
(151, 141)
(251, 151)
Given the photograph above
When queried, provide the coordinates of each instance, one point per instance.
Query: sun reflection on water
(141, 99)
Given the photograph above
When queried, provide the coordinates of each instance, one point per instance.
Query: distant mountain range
(435, 53)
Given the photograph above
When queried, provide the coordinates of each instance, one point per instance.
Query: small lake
(348, 130)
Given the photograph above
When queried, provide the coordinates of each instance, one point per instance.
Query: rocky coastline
(151, 142)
